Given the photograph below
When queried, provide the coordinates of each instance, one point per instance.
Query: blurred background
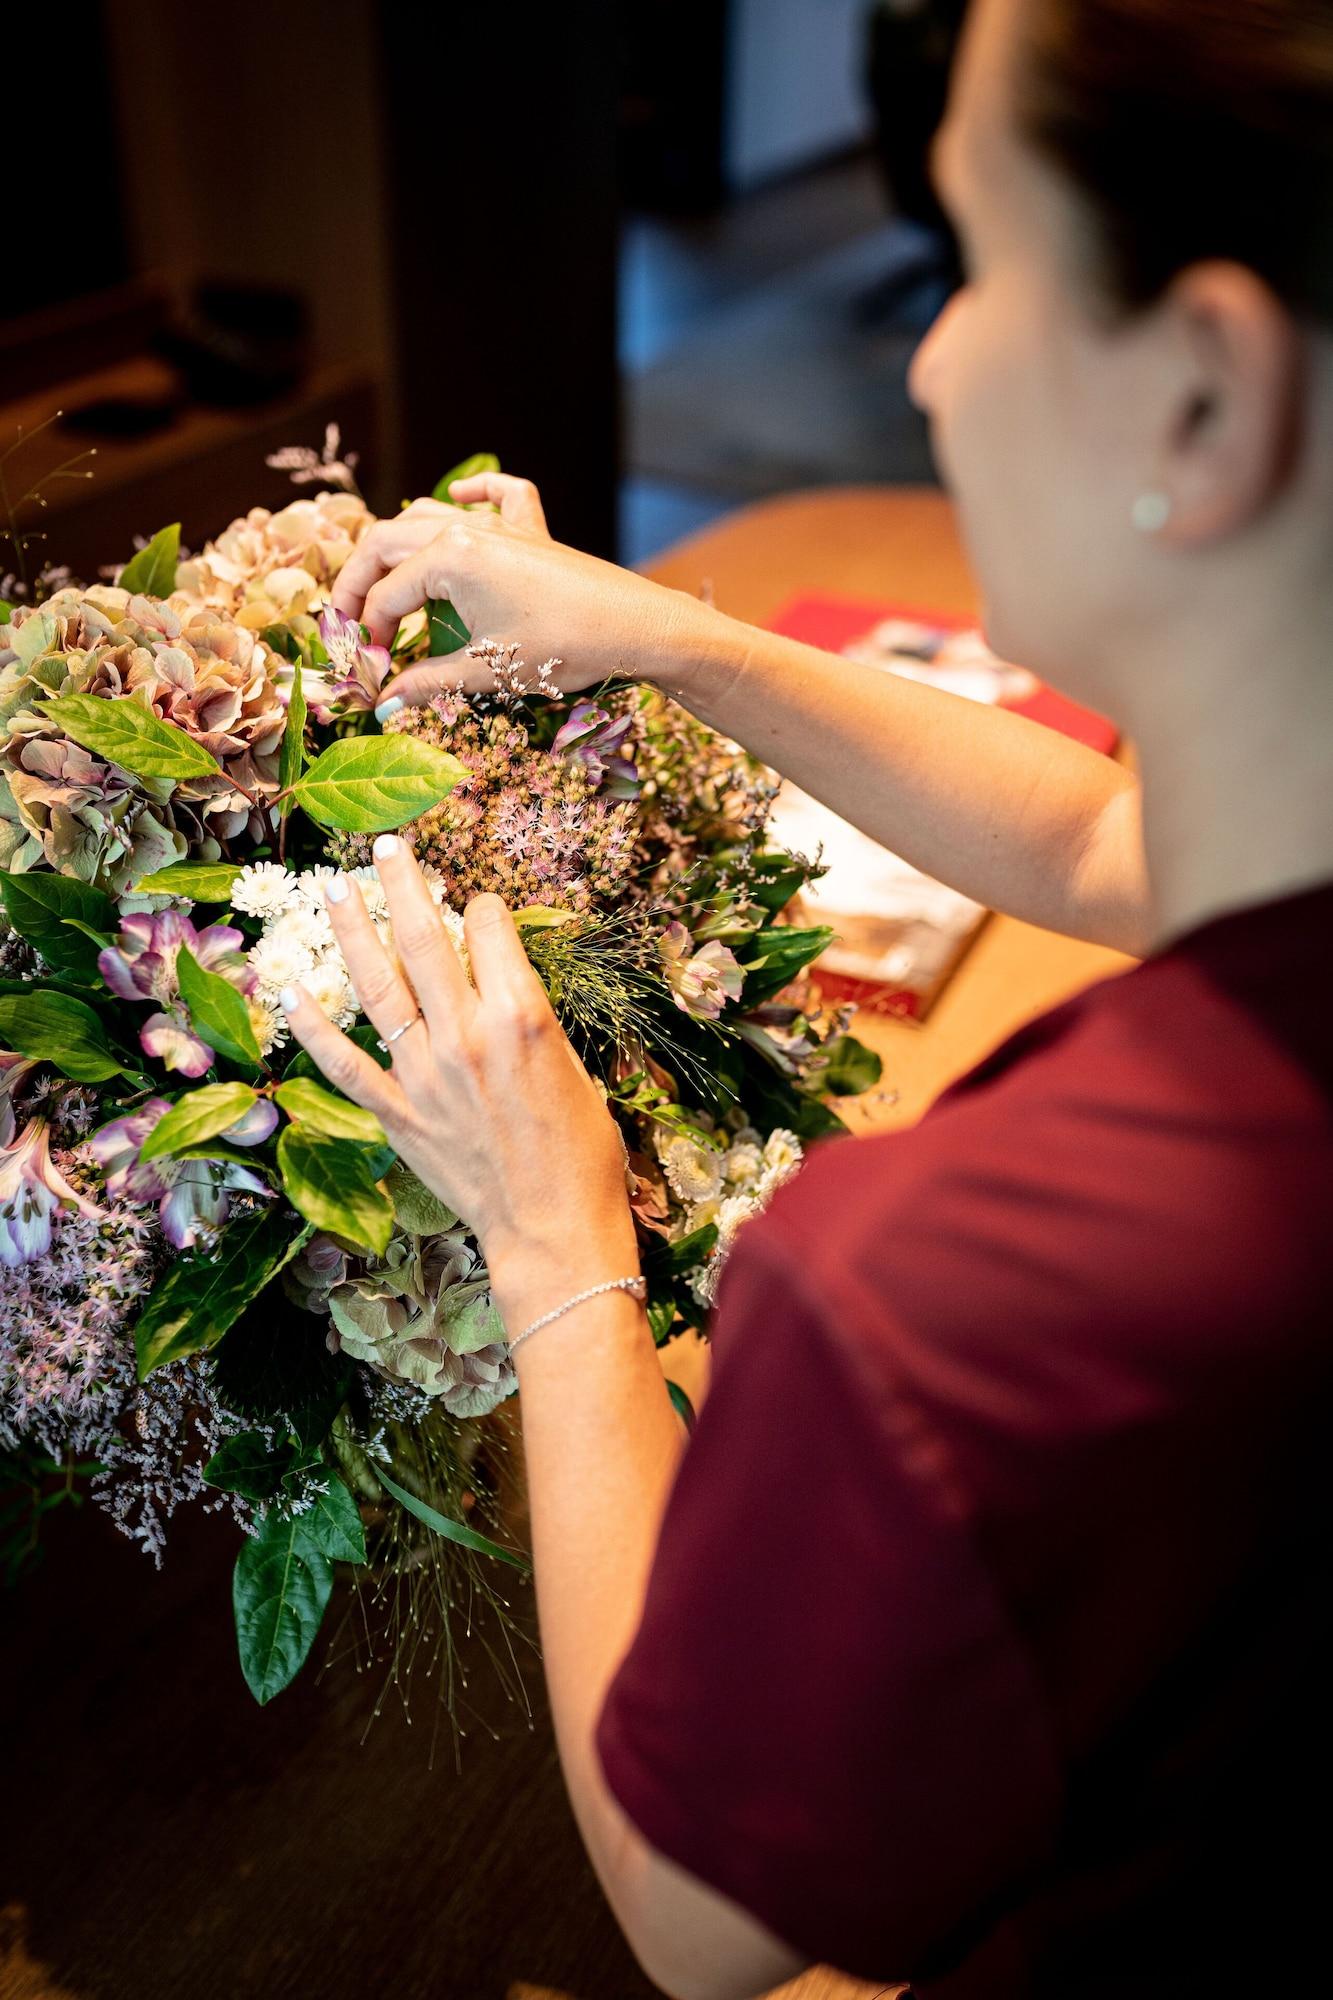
(663, 256)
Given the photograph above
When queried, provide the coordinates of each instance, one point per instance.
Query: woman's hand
(486, 1100)
(510, 582)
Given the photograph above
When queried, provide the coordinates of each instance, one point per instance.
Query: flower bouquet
(217, 1281)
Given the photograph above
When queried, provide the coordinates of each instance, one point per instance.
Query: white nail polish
(388, 707)
(335, 889)
(385, 845)
(289, 998)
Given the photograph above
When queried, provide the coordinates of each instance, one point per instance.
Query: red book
(901, 934)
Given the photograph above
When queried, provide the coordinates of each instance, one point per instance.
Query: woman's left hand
(486, 1100)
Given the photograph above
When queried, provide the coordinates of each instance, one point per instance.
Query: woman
(973, 1639)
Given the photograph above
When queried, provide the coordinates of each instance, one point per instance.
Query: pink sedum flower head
(357, 669)
(191, 1195)
(31, 1186)
(141, 965)
(589, 737)
(701, 981)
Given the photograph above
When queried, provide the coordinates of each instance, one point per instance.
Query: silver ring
(383, 1044)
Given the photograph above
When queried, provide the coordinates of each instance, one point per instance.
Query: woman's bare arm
(1002, 808)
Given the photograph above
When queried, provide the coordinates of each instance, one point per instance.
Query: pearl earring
(1150, 512)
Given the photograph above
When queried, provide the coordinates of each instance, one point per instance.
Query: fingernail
(290, 998)
(388, 708)
(387, 844)
(336, 888)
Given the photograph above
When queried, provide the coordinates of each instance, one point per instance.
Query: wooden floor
(163, 1838)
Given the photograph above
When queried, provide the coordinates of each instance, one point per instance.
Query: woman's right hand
(510, 582)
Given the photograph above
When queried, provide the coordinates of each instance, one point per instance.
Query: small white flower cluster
(298, 942)
(727, 1187)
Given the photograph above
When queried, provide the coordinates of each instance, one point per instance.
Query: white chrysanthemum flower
(772, 1179)
(331, 990)
(304, 926)
(310, 884)
(263, 888)
(744, 1162)
(280, 958)
(269, 1023)
(372, 889)
(782, 1149)
(694, 1173)
(734, 1210)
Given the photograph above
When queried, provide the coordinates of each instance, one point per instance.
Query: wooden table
(162, 1836)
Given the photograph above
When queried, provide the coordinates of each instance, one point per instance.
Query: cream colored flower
(743, 1162)
(694, 1173)
(783, 1149)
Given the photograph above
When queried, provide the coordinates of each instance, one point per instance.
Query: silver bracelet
(639, 1287)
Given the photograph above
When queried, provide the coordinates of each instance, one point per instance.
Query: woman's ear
(1234, 424)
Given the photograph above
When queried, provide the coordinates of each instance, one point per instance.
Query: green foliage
(453, 1531)
(480, 461)
(778, 955)
(54, 1027)
(125, 731)
(199, 1115)
(852, 1067)
(276, 1368)
(681, 1404)
(366, 784)
(282, 1583)
(331, 1182)
(45, 908)
(328, 1111)
(201, 881)
(255, 1467)
(202, 1294)
(416, 1207)
(152, 572)
(218, 1013)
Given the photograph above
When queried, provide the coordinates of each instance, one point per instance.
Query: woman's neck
(1234, 737)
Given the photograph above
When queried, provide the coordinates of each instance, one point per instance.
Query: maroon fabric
(985, 1643)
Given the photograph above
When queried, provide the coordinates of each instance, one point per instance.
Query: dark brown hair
(1190, 129)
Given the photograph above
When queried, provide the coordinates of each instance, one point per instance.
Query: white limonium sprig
(298, 941)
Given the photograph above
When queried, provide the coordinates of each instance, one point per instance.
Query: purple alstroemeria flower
(358, 670)
(13, 1069)
(141, 965)
(191, 1195)
(31, 1184)
(589, 737)
(702, 981)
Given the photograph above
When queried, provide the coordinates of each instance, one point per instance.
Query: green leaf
(304, 1099)
(415, 1207)
(330, 1181)
(41, 907)
(201, 1295)
(851, 1068)
(201, 881)
(218, 1013)
(681, 1403)
(200, 1115)
(213, 1149)
(480, 461)
(152, 572)
(282, 1583)
(6, 611)
(250, 1465)
(125, 730)
(335, 1524)
(276, 1368)
(446, 629)
(783, 952)
(687, 1251)
(776, 879)
(365, 784)
(54, 1027)
(292, 758)
(453, 1531)
(661, 1318)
